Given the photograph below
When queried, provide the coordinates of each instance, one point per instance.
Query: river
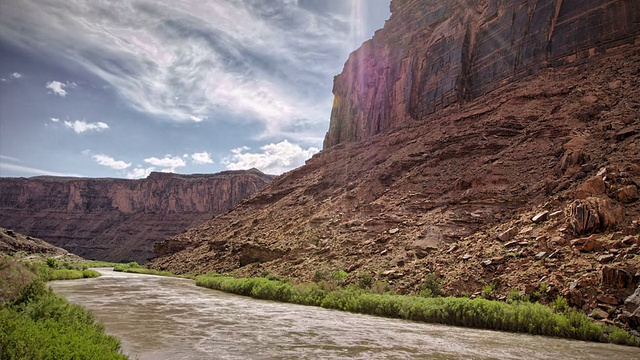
(169, 318)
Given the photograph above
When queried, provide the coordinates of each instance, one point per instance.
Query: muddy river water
(168, 318)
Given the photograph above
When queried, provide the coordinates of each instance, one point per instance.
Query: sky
(106, 88)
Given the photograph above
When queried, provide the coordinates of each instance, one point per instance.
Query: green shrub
(37, 324)
(339, 275)
(40, 325)
(365, 281)
(65, 274)
(488, 290)
(430, 287)
(52, 263)
(559, 305)
(90, 274)
(380, 287)
(514, 295)
(321, 275)
(524, 317)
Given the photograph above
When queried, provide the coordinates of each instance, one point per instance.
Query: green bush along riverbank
(37, 324)
(556, 320)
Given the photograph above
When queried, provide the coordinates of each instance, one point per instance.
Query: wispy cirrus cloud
(272, 159)
(194, 61)
(80, 126)
(31, 171)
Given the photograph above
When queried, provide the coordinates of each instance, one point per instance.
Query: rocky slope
(119, 219)
(22, 246)
(521, 184)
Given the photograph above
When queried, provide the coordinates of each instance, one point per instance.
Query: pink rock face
(432, 54)
(118, 219)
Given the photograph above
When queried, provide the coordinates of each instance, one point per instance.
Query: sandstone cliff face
(432, 54)
(118, 219)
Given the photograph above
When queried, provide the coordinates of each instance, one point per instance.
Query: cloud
(54, 119)
(57, 88)
(80, 126)
(108, 161)
(139, 172)
(168, 163)
(32, 171)
(10, 158)
(193, 61)
(201, 158)
(196, 118)
(273, 159)
(16, 75)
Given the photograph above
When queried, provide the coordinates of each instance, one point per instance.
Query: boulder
(599, 314)
(594, 215)
(627, 194)
(615, 278)
(424, 246)
(592, 186)
(541, 217)
(607, 299)
(508, 234)
(587, 244)
(541, 255)
(626, 132)
(605, 258)
(633, 301)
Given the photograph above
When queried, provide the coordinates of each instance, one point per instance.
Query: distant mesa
(119, 219)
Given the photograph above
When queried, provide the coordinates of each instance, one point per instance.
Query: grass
(516, 316)
(37, 324)
(133, 267)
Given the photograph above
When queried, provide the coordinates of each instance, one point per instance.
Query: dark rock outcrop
(432, 54)
(119, 219)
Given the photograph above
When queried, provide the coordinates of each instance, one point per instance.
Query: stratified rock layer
(432, 54)
(119, 219)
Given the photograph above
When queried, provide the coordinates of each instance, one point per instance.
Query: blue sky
(103, 88)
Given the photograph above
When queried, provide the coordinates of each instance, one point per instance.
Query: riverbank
(135, 268)
(555, 320)
(37, 324)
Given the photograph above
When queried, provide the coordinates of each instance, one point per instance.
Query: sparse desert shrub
(380, 287)
(430, 287)
(365, 281)
(339, 275)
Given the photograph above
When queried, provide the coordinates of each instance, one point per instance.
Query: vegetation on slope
(37, 324)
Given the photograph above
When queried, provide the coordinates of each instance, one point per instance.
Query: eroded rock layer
(119, 219)
(432, 54)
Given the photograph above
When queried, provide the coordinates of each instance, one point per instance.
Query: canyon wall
(119, 219)
(532, 188)
(432, 54)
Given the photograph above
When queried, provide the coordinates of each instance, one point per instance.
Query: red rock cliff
(118, 219)
(432, 54)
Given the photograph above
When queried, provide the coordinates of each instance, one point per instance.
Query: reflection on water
(168, 318)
